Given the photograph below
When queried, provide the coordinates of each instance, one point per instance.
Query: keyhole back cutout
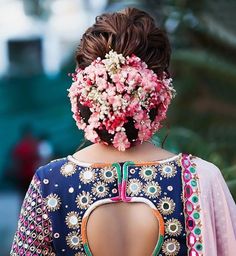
(122, 228)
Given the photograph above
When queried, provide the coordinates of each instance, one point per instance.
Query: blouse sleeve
(34, 231)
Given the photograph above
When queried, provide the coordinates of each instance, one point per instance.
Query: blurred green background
(37, 44)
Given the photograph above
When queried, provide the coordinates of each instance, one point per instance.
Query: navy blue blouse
(64, 192)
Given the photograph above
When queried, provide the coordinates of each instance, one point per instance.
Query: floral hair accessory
(115, 90)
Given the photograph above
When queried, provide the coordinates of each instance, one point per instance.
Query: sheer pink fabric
(218, 211)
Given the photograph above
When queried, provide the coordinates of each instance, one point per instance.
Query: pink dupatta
(218, 211)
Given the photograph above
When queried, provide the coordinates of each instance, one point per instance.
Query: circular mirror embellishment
(166, 205)
(171, 247)
(100, 189)
(73, 220)
(108, 175)
(68, 169)
(173, 227)
(87, 175)
(53, 202)
(134, 187)
(152, 189)
(168, 170)
(74, 240)
(83, 200)
(148, 173)
(192, 205)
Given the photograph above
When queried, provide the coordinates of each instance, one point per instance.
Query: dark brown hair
(129, 31)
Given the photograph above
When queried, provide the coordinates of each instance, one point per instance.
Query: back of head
(121, 88)
(131, 31)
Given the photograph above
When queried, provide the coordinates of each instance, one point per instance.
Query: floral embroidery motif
(73, 240)
(192, 208)
(100, 189)
(148, 173)
(68, 169)
(53, 202)
(134, 187)
(173, 227)
(73, 220)
(168, 170)
(108, 174)
(83, 200)
(152, 189)
(166, 206)
(171, 247)
(87, 175)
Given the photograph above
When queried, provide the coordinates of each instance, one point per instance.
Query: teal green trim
(125, 169)
(158, 246)
(118, 171)
(87, 250)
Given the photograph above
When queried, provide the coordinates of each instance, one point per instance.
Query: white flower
(113, 62)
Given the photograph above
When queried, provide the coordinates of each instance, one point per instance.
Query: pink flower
(94, 120)
(90, 134)
(120, 87)
(115, 101)
(116, 78)
(101, 83)
(121, 141)
(141, 116)
(144, 132)
(133, 106)
(111, 90)
(104, 96)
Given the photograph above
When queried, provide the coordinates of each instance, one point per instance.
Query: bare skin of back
(125, 229)
(122, 229)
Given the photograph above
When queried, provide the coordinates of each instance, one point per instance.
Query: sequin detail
(87, 175)
(53, 202)
(168, 170)
(148, 173)
(134, 187)
(166, 206)
(34, 233)
(171, 247)
(108, 175)
(83, 200)
(173, 227)
(73, 240)
(73, 220)
(152, 189)
(68, 169)
(100, 189)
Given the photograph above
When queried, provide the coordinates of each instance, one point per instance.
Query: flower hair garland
(117, 88)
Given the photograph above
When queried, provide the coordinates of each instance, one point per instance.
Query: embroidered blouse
(188, 196)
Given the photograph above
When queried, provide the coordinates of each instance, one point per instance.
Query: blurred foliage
(203, 66)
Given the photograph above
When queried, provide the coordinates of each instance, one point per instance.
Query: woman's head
(121, 88)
